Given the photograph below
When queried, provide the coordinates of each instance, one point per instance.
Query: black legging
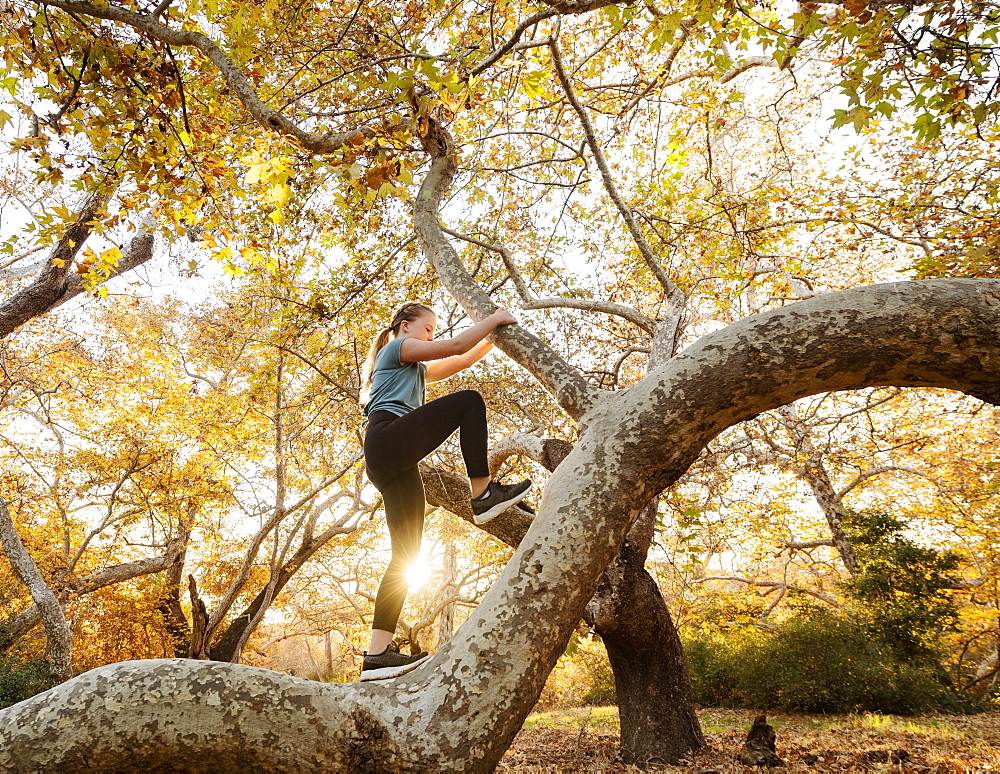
(394, 446)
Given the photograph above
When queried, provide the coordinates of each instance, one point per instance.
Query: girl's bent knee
(472, 398)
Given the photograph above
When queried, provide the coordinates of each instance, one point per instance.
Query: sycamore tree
(523, 135)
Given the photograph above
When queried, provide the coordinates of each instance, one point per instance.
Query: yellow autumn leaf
(279, 194)
(532, 83)
(254, 173)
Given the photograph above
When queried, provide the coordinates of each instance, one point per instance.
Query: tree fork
(652, 679)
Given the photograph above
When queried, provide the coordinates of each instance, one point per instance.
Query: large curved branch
(933, 333)
(460, 710)
(566, 384)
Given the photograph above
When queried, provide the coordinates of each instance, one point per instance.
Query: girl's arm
(449, 366)
(414, 350)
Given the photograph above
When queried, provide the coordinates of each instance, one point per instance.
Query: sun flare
(419, 572)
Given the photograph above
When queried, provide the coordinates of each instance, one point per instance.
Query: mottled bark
(446, 622)
(60, 638)
(658, 723)
(652, 680)
(815, 474)
(460, 710)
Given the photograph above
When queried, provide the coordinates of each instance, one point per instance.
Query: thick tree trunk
(460, 709)
(652, 681)
(659, 725)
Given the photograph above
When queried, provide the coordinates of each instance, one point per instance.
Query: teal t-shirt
(396, 386)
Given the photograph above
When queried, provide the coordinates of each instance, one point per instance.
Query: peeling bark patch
(371, 749)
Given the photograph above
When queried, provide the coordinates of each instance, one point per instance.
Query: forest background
(180, 446)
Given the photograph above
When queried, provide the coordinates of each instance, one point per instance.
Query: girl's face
(421, 329)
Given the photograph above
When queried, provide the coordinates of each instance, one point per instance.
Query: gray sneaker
(499, 497)
(390, 663)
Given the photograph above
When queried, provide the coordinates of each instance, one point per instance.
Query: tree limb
(779, 585)
(513, 40)
(804, 545)
(228, 598)
(50, 286)
(57, 630)
(262, 113)
(530, 301)
(566, 384)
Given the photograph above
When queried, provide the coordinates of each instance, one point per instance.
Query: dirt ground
(586, 740)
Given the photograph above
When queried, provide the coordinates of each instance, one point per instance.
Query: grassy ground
(585, 739)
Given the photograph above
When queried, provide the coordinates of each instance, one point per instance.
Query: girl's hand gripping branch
(446, 357)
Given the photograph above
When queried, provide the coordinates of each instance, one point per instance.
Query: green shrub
(816, 662)
(901, 592)
(20, 680)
